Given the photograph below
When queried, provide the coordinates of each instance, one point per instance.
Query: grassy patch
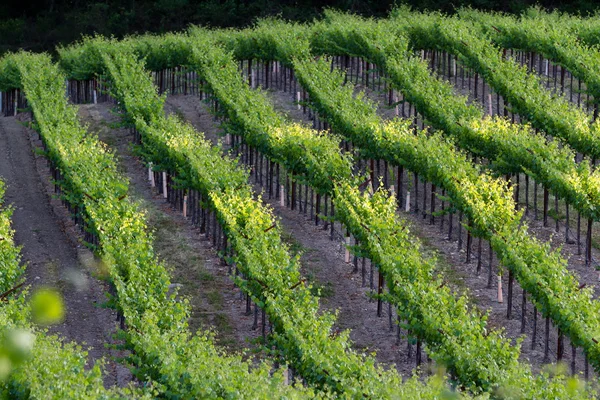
(295, 246)
(322, 290)
(222, 324)
(205, 276)
(319, 289)
(215, 299)
(179, 114)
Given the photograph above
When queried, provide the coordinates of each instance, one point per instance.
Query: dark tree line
(42, 24)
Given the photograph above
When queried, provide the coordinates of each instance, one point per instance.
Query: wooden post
(347, 254)
(547, 344)
(533, 335)
(479, 244)
(545, 207)
(469, 245)
(185, 204)
(416, 193)
(490, 266)
(164, 184)
(432, 217)
(379, 292)
(500, 299)
(293, 199)
(317, 208)
(400, 177)
(588, 248)
(523, 311)
(510, 294)
(560, 346)
(573, 358)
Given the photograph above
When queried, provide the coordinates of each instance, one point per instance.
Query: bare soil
(52, 253)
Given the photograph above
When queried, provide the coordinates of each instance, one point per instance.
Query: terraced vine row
(485, 201)
(302, 334)
(162, 348)
(586, 29)
(39, 365)
(522, 90)
(554, 41)
(511, 148)
(230, 91)
(178, 364)
(426, 318)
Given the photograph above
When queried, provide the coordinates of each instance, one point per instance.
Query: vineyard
(403, 208)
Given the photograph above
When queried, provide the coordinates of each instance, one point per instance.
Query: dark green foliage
(42, 24)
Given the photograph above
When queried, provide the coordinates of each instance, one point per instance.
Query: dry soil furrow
(50, 249)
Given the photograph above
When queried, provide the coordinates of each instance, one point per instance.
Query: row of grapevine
(34, 363)
(485, 201)
(522, 90)
(11, 273)
(220, 74)
(511, 148)
(302, 334)
(554, 41)
(586, 29)
(162, 348)
(435, 308)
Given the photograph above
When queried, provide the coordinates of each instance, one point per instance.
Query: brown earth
(53, 255)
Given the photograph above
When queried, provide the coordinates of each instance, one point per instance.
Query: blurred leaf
(47, 307)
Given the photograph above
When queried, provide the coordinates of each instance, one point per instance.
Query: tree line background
(38, 25)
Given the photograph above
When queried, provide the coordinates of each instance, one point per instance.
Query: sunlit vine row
(163, 350)
(486, 201)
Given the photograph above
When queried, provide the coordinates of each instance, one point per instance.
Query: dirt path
(53, 257)
(192, 262)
